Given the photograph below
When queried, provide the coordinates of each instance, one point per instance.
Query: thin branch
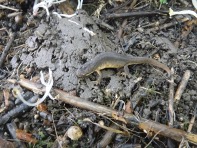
(171, 99)
(182, 85)
(129, 119)
(134, 14)
(18, 110)
(6, 7)
(7, 48)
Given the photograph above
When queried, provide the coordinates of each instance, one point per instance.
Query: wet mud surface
(63, 46)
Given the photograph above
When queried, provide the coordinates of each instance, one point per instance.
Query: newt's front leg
(98, 81)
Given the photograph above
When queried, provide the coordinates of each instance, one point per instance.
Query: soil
(64, 45)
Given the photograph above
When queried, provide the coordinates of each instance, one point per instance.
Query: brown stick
(147, 125)
(172, 23)
(17, 111)
(182, 85)
(109, 135)
(119, 7)
(171, 99)
(82, 103)
(134, 14)
(160, 129)
(120, 31)
(129, 119)
(192, 121)
(124, 23)
(5, 143)
(7, 48)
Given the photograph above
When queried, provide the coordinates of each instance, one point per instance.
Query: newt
(114, 60)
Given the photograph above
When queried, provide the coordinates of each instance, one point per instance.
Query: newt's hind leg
(126, 72)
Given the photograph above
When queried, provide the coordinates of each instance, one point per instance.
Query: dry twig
(129, 119)
(172, 23)
(6, 7)
(171, 99)
(109, 135)
(16, 111)
(7, 48)
(135, 14)
(182, 85)
(124, 23)
(192, 121)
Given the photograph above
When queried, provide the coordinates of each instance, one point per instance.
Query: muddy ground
(63, 45)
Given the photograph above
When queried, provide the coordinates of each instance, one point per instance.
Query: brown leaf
(42, 107)
(1, 1)
(128, 108)
(27, 137)
(6, 144)
(66, 7)
(119, 117)
(6, 94)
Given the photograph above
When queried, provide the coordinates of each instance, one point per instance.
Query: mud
(63, 46)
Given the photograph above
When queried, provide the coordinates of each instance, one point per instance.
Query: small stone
(74, 132)
(18, 19)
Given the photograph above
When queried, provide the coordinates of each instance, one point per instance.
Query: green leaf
(163, 1)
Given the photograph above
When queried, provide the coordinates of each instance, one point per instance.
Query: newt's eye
(83, 67)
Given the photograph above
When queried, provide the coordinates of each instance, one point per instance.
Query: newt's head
(85, 69)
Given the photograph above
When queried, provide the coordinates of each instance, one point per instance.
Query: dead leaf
(119, 117)
(27, 137)
(6, 144)
(128, 108)
(42, 107)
